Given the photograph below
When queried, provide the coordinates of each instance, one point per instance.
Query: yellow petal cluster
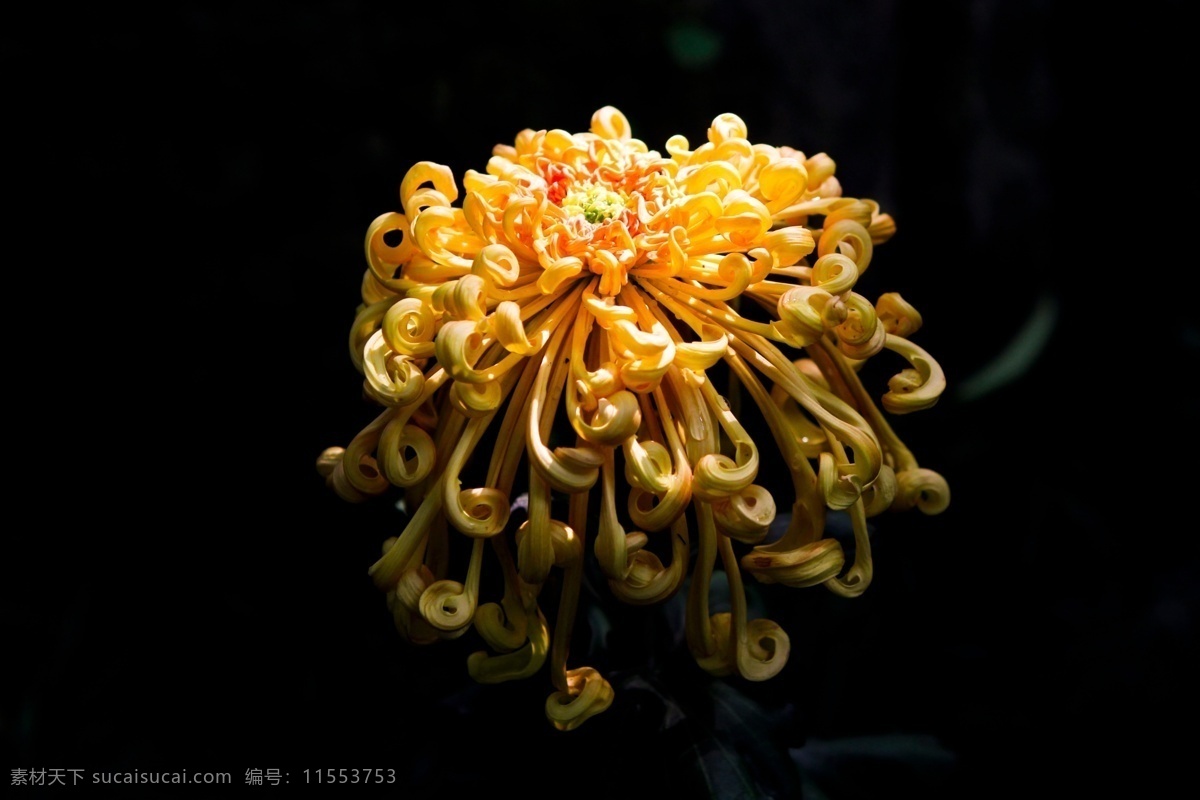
(571, 312)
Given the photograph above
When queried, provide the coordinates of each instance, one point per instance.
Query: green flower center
(594, 203)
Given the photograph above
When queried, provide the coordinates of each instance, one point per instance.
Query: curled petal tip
(329, 458)
(588, 694)
(922, 488)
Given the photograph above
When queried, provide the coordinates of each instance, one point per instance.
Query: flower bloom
(571, 315)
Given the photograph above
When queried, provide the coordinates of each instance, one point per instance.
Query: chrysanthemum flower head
(588, 284)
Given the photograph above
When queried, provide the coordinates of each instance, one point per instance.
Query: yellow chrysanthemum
(586, 275)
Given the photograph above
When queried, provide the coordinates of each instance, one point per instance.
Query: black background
(188, 595)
